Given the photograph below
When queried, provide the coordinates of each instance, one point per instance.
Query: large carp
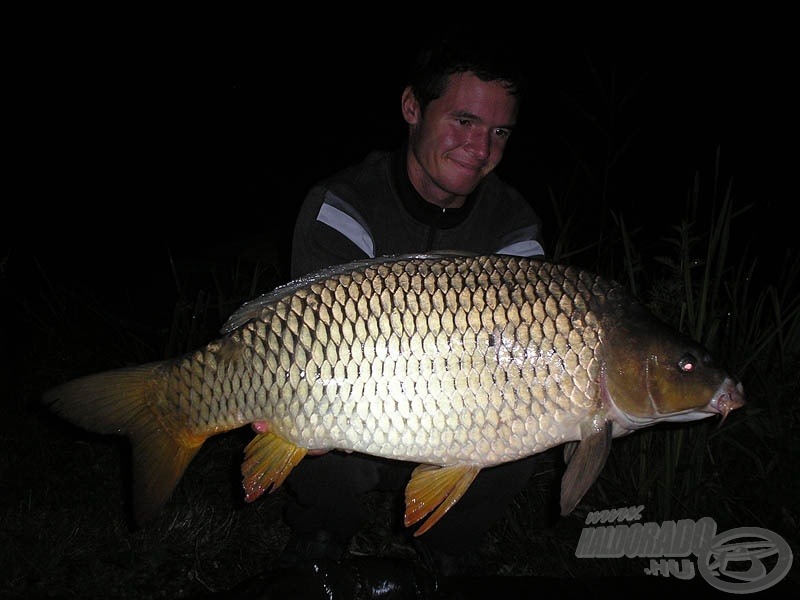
(454, 362)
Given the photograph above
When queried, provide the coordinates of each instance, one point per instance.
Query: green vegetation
(740, 472)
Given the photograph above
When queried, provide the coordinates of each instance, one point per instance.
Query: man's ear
(412, 113)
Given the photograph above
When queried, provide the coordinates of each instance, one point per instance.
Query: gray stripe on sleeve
(523, 248)
(333, 214)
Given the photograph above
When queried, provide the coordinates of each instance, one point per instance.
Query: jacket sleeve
(509, 222)
(328, 231)
(523, 241)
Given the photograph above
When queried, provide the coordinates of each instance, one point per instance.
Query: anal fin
(584, 464)
(268, 461)
(433, 490)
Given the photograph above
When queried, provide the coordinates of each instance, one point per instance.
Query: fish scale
(326, 357)
(455, 362)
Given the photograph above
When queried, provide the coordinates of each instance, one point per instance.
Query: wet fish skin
(460, 362)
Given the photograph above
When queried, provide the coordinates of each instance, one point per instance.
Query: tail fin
(126, 402)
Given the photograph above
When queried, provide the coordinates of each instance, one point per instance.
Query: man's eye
(464, 122)
(503, 133)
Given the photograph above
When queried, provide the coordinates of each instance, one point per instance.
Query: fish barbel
(455, 362)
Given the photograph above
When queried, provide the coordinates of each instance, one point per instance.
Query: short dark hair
(490, 58)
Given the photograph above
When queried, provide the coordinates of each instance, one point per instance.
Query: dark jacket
(372, 209)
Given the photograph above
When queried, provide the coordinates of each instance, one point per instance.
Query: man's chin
(462, 186)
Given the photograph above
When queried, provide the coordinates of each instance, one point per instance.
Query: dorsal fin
(252, 309)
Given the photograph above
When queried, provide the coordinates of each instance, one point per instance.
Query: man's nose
(479, 144)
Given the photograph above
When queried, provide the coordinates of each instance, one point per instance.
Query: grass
(64, 523)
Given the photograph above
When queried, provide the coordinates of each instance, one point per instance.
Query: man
(438, 192)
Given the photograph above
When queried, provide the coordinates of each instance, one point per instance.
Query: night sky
(138, 143)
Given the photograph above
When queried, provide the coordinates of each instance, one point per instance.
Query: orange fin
(128, 401)
(584, 464)
(268, 460)
(159, 461)
(435, 490)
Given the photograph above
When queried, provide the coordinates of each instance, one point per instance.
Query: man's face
(460, 138)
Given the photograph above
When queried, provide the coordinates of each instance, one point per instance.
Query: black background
(137, 138)
(144, 138)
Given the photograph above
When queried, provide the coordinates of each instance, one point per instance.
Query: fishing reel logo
(743, 560)
(734, 561)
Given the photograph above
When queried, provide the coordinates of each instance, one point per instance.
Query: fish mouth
(729, 397)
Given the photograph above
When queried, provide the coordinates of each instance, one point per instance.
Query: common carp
(454, 362)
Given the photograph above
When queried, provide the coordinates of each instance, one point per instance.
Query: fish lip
(729, 397)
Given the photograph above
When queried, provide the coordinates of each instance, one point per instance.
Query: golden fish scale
(475, 360)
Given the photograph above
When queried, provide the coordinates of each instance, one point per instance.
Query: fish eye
(687, 363)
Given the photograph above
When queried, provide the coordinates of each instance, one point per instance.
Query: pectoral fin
(569, 450)
(435, 490)
(584, 464)
(267, 462)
